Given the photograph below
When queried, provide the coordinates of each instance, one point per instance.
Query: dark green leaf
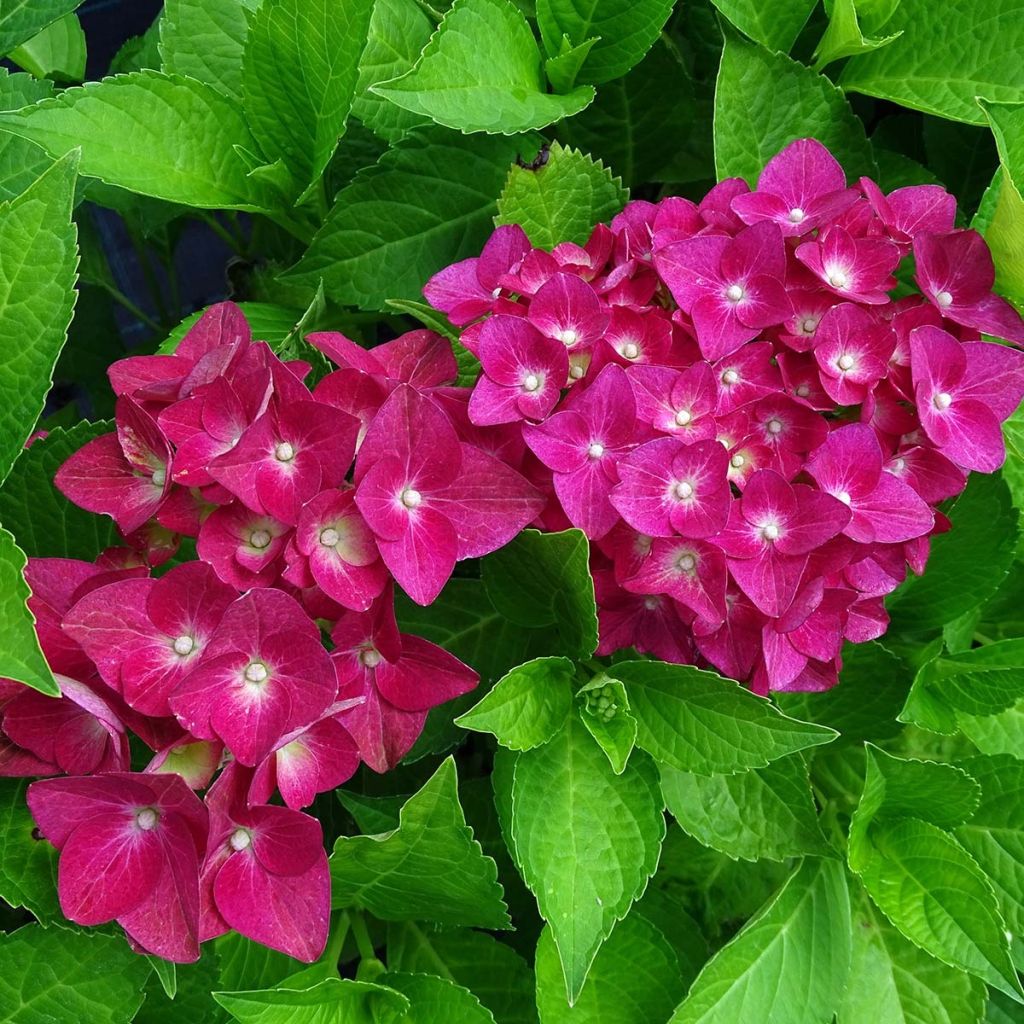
(28, 866)
(57, 52)
(338, 999)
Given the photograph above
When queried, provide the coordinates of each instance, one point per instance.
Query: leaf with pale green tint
(434, 1000)
(563, 68)
(21, 161)
(561, 201)
(1005, 231)
(269, 323)
(994, 835)
(967, 564)
(788, 965)
(54, 976)
(635, 977)
(696, 721)
(933, 891)
(844, 36)
(299, 77)
(604, 710)
(586, 840)
(481, 72)
(164, 136)
(430, 868)
(494, 972)
(774, 25)
(45, 523)
(39, 258)
(764, 100)
(624, 31)
(244, 964)
(399, 29)
(57, 52)
(996, 734)
(373, 814)
(527, 706)
(543, 579)
(20, 20)
(426, 203)
(940, 64)
(766, 812)
(895, 982)
(204, 39)
(28, 866)
(335, 999)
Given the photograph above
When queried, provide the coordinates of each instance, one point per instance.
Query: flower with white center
(943, 300)
(630, 350)
(942, 401)
(844, 497)
(737, 461)
(802, 390)
(576, 371)
(532, 382)
(284, 452)
(146, 818)
(596, 450)
(774, 426)
(683, 490)
(686, 562)
(730, 377)
(255, 673)
(183, 645)
(159, 477)
(568, 337)
(770, 531)
(241, 839)
(259, 539)
(683, 417)
(796, 215)
(652, 602)
(845, 362)
(808, 325)
(329, 537)
(734, 293)
(838, 279)
(411, 498)
(370, 658)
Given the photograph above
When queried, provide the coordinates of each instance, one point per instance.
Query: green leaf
(940, 64)
(563, 69)
(844, 37)
(996, 734)
(56, 52)
(39, 258)
(543, 579)
(696, 721)
(436, 1000)
(20, 655)
(1001, 1010)
(21, 161)
(481, 72)
(334, 999)
(1005, 232)
(635, 977)
(604, 710)
(625, 31)
(399, 29)
(586, 840)
(22, 19)
(46, 524)
(895, 982)
(299, 77)
(430, 868)
(204, 39)
(561, 201)
(967, 564)
(244, 964)
(767, 812)
(994, 835)
(934, 892)
(527, 706)
(67, 977)
(764, 101)
(426, 203)
(164, 136)
(28, 866)
(193, 998)
(495, 973)
(789, 964)
(774, 25)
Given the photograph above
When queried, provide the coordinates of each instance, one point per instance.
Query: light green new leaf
(967, 564)
(586, 840)
(764, 100)
(895, 982)
(164, 136)
(766, 812)
(933, 891)
(563, 69)
(426, 203)
(624, 29)
(604, 710)
(635, 977)
(20, 20)
(334, 999)
(1005, 230)
(696, 721)
(21, 161)
(204, 39)
(994, 835)
(28, 866)
(20, 655)
(38, 259)
(399, 29)
(561, 201)
(527, 706)
(775, 24)
(996, 734)
(65, 977)
(543, 579)
(844, 36)
(481, 72)
(56, 52)
(434, 1000)
(428, 869)
(941, 63)
(298, 79)
(46, 524)
(789, 964)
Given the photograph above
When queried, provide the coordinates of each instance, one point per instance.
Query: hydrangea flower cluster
(306, 506)
(746, 406)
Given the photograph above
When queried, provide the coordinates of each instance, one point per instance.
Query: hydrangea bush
(520, 594)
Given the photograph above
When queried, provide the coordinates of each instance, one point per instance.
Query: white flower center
(838, 279)
(730, 377)
(943, 400)
(183, 645)
(808, 325)
(259, 539)
(734, 293)
(411, 498)
(531, 382)
(575, 371)
(284, 452)
(899, 465)
(796, 215)
(802, 391)
(630, 350)
(329, 537)
(683, 490)
(596, 450)
(943, 300)
(650, 603)
(774, 426)
(844, 497)
(496, 293)
(737, 460)
(159, 477)
(370, 658)
(568, 337)
(255, 672)
(770, 531)
(241, 839)
(146, 818)
(845, 362)
(687, 562)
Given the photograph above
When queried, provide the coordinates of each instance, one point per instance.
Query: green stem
(119, 297)
(431, 12)
(339, 932)
(218, 229)
(362, 936)
(982, 639)
(151, 282)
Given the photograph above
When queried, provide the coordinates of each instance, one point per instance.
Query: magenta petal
(285, 842)
(424, 676)
(971, 435)
(317, 760)
(894, 512)
(568, 309)
(770, 580)
(222, 324)
(584, 495)
(691, 268)
(719, 329)
(423, 558)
